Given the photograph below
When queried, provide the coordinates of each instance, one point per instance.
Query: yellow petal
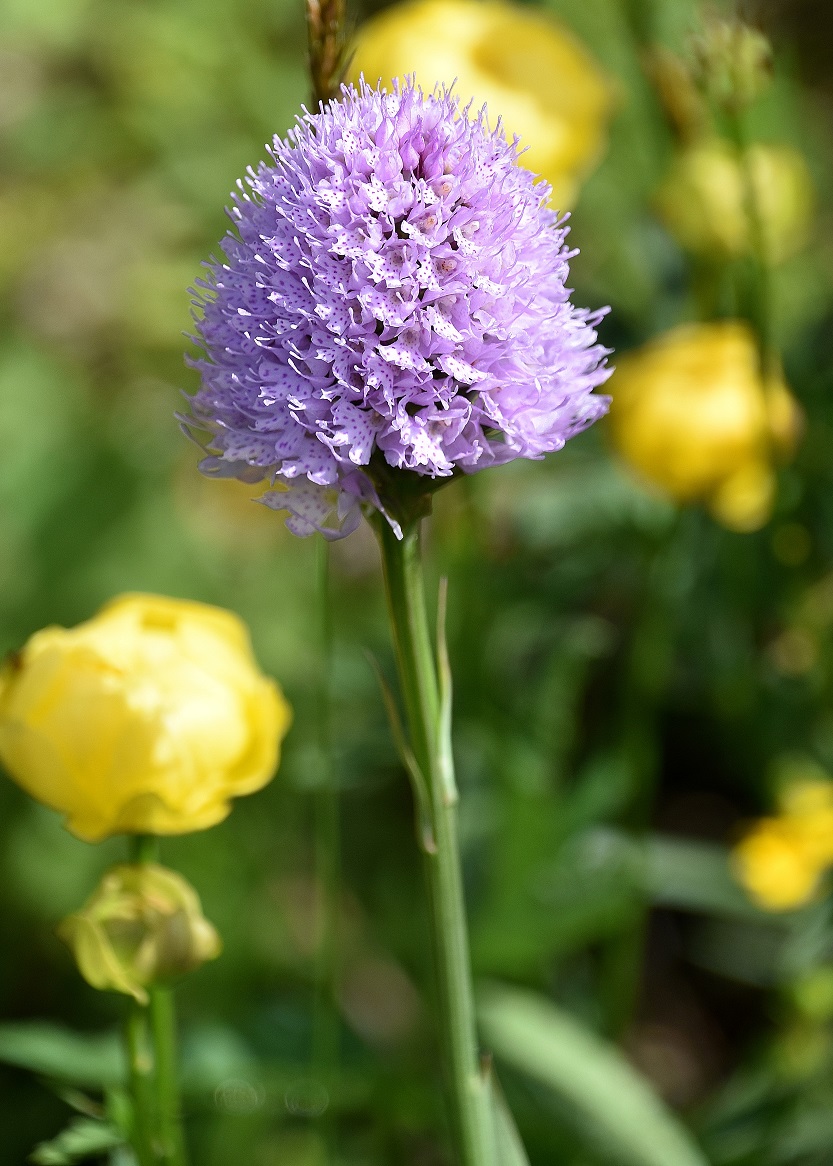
(774, 866)
(743, 500)
(691, 415)
(147, 718)
(526, 67)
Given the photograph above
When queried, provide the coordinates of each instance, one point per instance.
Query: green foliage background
(628, 678)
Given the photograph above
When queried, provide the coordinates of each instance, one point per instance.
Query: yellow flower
(693, 416)
(704, 201)
(808, 805)
(774, 865)
(142, 925)
(146, 719)
(529, 69)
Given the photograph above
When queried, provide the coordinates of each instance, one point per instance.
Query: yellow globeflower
(142, 925)
(808, 806)
(146, 719)
(774, 865)
(692, 415)
(704, 199)
(525, 66)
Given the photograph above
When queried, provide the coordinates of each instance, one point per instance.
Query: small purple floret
(396, 287)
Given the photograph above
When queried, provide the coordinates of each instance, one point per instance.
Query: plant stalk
(466, 1084)
(140, 1073)
(170, 1137)
(325, 1035)
(151, 1048)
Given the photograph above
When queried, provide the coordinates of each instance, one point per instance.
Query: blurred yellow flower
(808, 805)
(781, 859)
(528, 68)
(773, 865)
(692, 415)
(143, 925)
(146, 719)
(704, 201)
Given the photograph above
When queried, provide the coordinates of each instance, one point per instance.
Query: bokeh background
(633, 680)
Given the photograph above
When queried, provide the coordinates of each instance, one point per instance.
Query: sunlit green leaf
(609, 1098)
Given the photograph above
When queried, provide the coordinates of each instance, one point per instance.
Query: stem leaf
(83, 1138)
(444, 682)
(509, 1149)
(409, 761)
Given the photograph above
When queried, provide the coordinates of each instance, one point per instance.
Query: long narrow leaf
(509, 1149)
(607, 1095)
(57, 1052)
(449, 785)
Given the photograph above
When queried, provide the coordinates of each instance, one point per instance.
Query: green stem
(152, 1057)
(468, 1094)
(325, 1037)
(759, 282)
(140, 1072)
(144, 848)
(170, 1136)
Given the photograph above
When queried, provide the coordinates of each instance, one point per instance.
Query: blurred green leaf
(509, 1147)
(53, 1051)
(695, 876)
(608, 1096)
(82, 1139)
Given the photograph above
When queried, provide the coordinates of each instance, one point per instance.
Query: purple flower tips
(394, 291)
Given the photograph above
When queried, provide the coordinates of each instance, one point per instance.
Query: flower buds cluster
(143, 925)
(733, 63)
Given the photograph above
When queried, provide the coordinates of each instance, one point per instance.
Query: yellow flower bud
(529, 69)
(774, 865)
(691, 414)
(146, 719)
(704, 199)
(143, 925)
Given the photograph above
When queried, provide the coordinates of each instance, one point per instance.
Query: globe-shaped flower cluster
(394, 296)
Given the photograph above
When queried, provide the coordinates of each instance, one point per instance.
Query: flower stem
(468, 1094)
(151, 1051)
(759, 279)
(325, 1036)
(140, 1072)
(169, 1119)
(144, 848)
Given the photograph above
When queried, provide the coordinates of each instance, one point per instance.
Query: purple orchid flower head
(391, 309)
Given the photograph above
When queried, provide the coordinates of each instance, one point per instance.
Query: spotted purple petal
(395, 287)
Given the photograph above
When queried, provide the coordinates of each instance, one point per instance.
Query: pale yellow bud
(142, 926)
(691, 414)
(146, 719)
(525, 66)
(704, 200)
